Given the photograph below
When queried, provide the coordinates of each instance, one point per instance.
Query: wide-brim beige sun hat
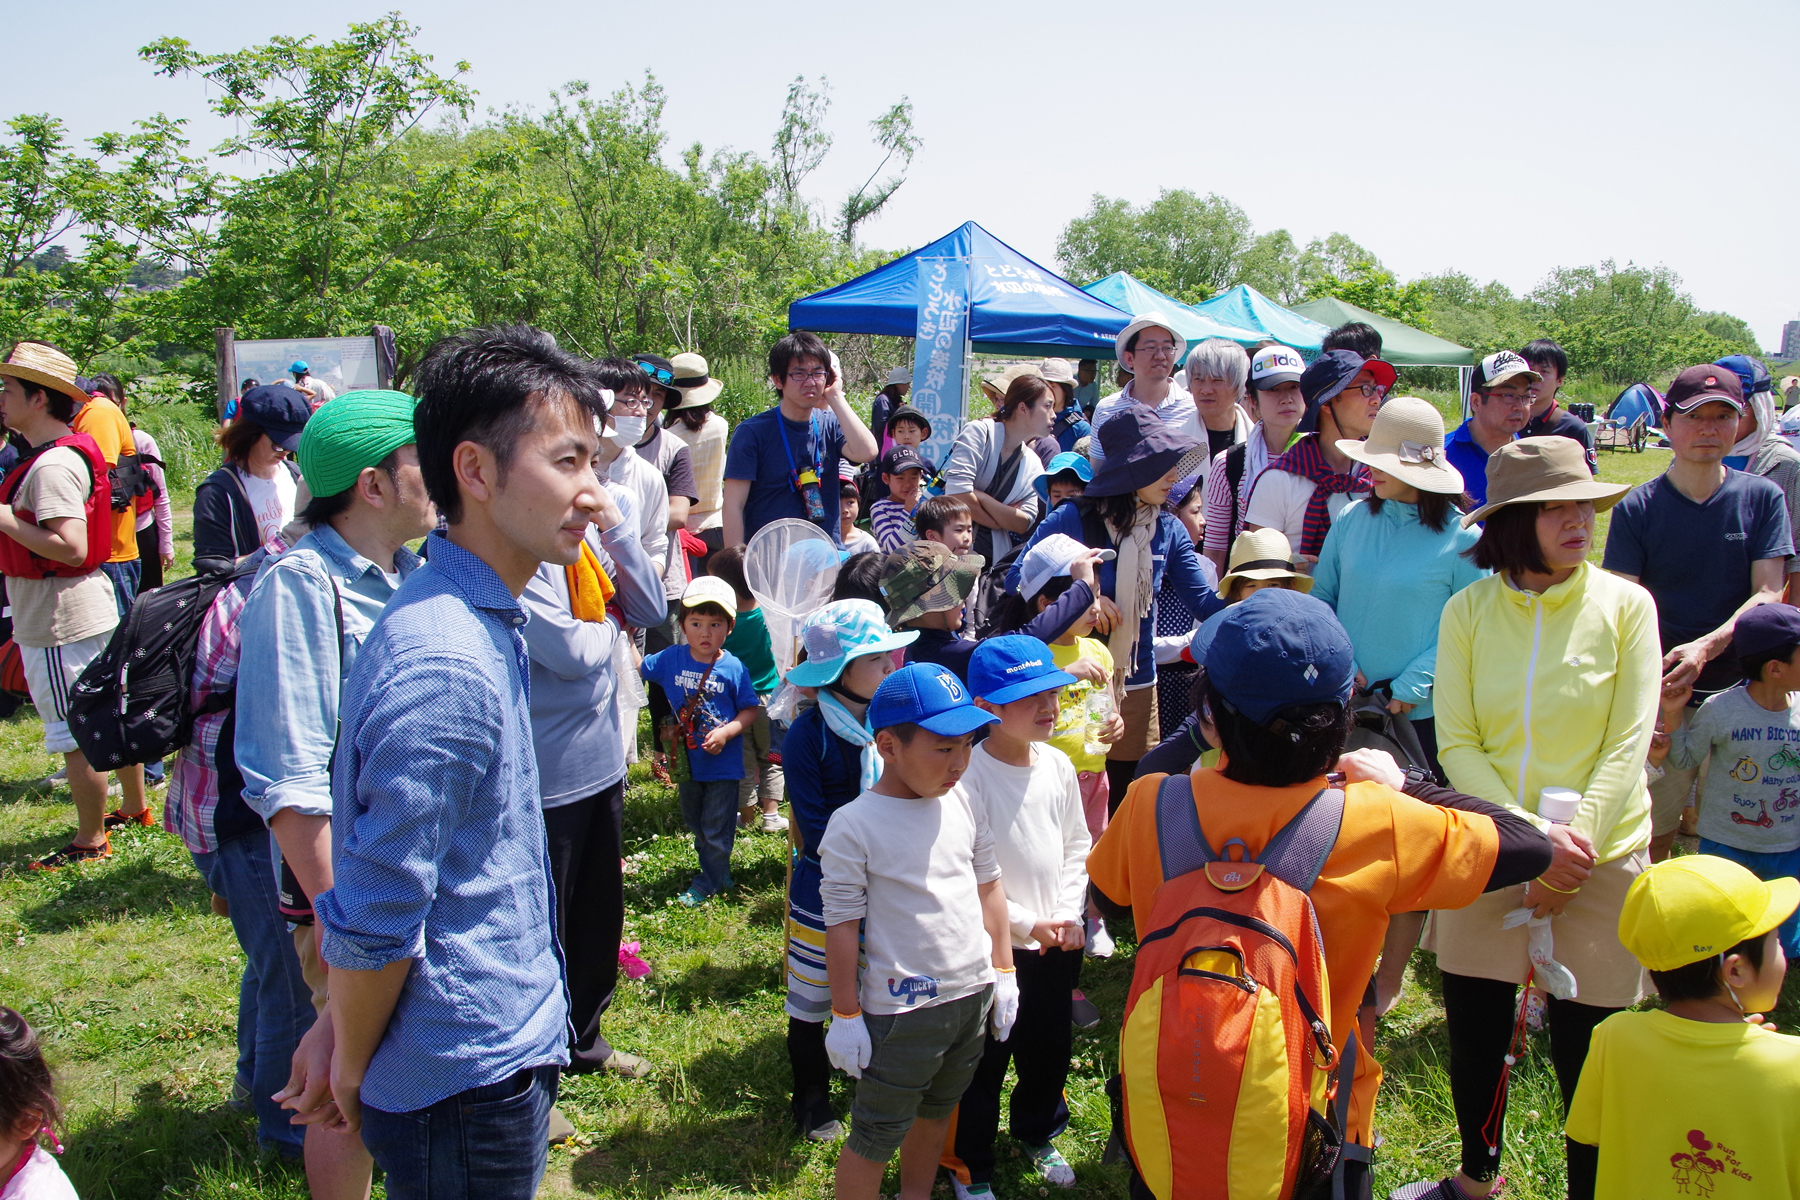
(693, 382)
(1407, 442)
(45, 366)
(1539, 470)
(1262, 554)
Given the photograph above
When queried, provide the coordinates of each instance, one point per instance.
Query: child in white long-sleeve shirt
(1031, 798)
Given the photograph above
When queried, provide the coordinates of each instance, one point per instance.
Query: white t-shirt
(41, 1178)
(910, 869)
(1040, 835)
(645, 484)
(859, 541)
(1280, 500)
(272, 500)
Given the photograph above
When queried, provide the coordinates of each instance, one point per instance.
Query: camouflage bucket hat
(926, 578)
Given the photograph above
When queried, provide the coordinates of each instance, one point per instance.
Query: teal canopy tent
(1126, 291)
(1247, 308)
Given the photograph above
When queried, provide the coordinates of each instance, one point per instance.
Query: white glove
(1006, 1003)
(847, 1044)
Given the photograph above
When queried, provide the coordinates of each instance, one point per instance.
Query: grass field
(133, 982)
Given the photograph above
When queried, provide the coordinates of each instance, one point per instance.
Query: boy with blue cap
(909, 866)
(1027, 792)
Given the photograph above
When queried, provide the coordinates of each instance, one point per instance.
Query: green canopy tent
(1401, 345)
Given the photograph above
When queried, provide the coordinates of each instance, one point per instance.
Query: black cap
(1699, 385)
(1765, 627)
(903, 458)
(911, 413)
(281, 411)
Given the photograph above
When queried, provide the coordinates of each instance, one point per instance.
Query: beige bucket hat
(1536, 470)
(1407, 442)
(1262, 554)
(45, 366)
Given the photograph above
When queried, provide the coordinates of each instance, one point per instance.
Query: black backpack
(133, 703)
(984, 604)
(130, 480)
(1374, 727)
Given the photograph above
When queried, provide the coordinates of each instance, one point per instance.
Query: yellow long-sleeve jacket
(1557, 690)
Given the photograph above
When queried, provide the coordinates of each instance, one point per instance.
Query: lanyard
(812, 424)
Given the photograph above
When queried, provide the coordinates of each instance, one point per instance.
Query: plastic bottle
(1099, 711)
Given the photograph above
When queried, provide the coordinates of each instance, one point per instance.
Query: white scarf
(854, 731)
(1762, 405)
(1133, 588)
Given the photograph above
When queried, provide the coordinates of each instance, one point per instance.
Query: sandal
(118, 820)
(72, 854)
(1444, 1189)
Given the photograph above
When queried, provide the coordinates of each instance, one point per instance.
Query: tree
(1186, 245)
(894, 134)
(801, 142)
(1627, 323)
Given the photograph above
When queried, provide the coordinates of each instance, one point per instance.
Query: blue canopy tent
(1125, 291)
(1247, 308)
(1016, 306)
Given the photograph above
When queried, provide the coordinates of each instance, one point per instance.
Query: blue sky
(1502, 140)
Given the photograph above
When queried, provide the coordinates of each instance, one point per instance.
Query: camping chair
(1610, 434)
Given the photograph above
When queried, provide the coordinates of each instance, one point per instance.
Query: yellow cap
(1685, 909)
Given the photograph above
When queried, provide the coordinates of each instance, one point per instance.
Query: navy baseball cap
(1279, 649)
(1765, 627)
(903, 458)
(929, 696)
(281, 410)
(1004, 669)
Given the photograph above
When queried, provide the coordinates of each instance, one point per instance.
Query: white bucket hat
(1148, 321)
(1053, 555)
(1407, 442)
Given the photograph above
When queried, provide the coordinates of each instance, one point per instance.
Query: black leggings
(1479, 1015)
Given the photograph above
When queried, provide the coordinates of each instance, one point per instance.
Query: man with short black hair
(1500, 400)
(1151, 351)
(1087, 384)
(441, 889)
(1708, 543)
(1358, 337)
(784, 461)
(63, 609)
(1547, 416)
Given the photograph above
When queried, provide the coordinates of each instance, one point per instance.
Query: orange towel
(589, 588)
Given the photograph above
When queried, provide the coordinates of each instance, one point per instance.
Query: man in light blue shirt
(448, 1003)
(301, 628)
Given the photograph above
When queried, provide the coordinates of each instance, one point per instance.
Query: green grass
(132, 980)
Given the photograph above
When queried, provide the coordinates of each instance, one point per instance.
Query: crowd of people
(1248, 657)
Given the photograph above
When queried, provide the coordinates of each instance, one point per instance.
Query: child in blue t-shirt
(705, 683)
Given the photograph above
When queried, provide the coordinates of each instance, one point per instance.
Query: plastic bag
(1541, 948)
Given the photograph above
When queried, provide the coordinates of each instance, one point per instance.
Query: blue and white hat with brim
(839, 632)
(1048, 557)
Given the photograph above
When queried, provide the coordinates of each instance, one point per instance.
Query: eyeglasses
(660, 374)
(1155, 348)
(1512, 399)
(819, 375)
(636, 402)
(1369, 390)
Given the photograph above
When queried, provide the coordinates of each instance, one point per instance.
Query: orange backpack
(1226, 1053)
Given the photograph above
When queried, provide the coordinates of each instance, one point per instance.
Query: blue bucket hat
(929, 696)
(1279, 649)
(1068, 460)
(1004, 669)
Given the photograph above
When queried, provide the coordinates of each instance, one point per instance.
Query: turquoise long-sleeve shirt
(1389, 577)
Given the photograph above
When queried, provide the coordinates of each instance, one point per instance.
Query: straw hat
(692, 379)
(1536, 470)
(1407, 442)
(999, 381)
(1263, 554)
(45, 366)
(1057, 370)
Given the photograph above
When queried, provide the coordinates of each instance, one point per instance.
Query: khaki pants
(1669, 795)
(1140, 737)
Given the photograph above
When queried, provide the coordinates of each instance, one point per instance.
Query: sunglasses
(660, 374)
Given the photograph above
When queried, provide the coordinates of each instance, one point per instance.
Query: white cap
(1052, 556)
(1274, 365)
(1558, 804)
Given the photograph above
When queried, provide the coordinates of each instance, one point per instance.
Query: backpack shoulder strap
(1093, 524)
(1297, 852)
(1236, 462)
(1179, 840)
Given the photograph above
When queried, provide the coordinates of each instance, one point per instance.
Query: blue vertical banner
(940, 385)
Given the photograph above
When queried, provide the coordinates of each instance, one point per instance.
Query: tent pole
(1465, 376)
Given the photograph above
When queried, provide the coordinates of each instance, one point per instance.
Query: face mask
(627, 430)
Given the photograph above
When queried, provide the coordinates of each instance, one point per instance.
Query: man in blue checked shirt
(447, 992)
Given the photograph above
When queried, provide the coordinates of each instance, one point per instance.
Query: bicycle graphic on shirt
(1789, 799)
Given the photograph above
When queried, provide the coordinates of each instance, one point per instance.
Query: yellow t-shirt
(1687, 1108)
(1071, 722)
(103, 421)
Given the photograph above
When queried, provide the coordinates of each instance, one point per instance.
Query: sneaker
(773, 823)
(814, 1120)
(747, 817)
(627, 1066)
(72, 854)
(1052, 1167)
(692, 898)
(118, 820)
(57, 778)
(971, 1191)
(1082, 1011)
(560, 1127)
(1099, 942)
(1445, 1189)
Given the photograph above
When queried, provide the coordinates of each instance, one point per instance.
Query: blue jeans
(709, 806)
(1766, 866)
(488, 1142)
(124, 576)
(274, 1003)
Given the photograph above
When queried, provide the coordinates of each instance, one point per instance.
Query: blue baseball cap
(298, 367)
(1068, 460)
(1278, 649)
(929, 696)
(1004, 669)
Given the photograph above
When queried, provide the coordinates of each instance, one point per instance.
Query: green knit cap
(356, 430)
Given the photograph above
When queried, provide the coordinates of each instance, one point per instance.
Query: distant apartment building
(1790, 342)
